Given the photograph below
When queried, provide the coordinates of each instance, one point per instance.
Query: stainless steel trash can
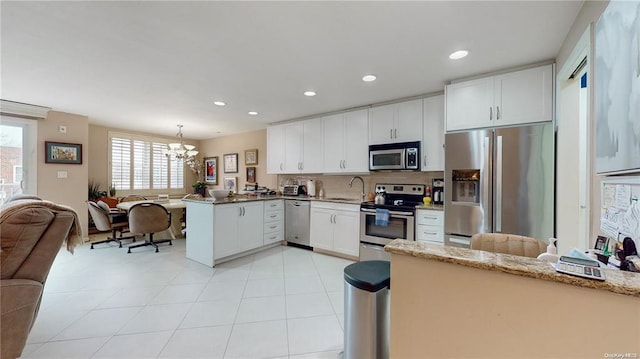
(366, 310)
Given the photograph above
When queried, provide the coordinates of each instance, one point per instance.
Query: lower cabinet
(236, 228)
(273, 221)
(335, 227)
(430, 226)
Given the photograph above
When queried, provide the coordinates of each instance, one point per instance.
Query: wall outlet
(62, 129)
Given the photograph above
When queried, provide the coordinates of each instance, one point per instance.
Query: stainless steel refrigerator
(499, 180)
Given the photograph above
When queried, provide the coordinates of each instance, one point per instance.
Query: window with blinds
(138, 163)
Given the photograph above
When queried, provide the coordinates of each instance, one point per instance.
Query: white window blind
(139, 163)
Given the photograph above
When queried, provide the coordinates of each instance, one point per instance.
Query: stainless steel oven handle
(392, 213)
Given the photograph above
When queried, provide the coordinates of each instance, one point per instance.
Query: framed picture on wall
(231, 163)
(65, 153)
(251, 174)
(251, 157)
(231, 183)
(211, 170)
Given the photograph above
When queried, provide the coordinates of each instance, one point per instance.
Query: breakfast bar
(458, 303)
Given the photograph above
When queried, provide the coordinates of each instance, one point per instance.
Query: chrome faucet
(361, 180)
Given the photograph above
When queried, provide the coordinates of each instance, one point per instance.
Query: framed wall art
(251, 157)
(231, 163)
(231, 183)
(65, 153)
(211, 170)
(251, 174)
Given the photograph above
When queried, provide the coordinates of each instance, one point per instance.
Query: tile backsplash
(338, 185)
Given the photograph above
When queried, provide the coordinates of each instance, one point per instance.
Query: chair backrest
(508, 244)
(148, 218)
(99, 216)
(32, 233)
(133, 197)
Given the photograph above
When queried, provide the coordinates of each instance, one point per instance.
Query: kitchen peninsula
(459, 303)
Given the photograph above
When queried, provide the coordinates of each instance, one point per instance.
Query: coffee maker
(437, 190)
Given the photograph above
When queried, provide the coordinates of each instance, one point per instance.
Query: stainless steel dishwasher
(296, 222)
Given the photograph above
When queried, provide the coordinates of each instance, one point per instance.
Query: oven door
(401, 226)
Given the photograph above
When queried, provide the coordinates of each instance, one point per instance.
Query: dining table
(174, 206)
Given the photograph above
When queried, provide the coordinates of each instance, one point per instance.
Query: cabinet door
(312, 146)
(433, 139)
(408, 124)
(346, 238)
(381, 124)
(524, 96)
(293, 147)
(469, 104)
(356, 144)
(226, 230)
(321, 228)
(275, 149)
(333, 134)
(250, 230)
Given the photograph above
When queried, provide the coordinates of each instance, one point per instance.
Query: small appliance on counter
(294, 190)
(438, 191)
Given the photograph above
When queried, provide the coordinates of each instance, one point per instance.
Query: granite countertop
(245, 198)
(620, 282)
(433, 207)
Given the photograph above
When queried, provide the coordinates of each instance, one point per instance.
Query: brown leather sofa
(509, 244)
(31, 234)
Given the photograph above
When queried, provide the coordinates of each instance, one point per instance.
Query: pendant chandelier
(181, 151)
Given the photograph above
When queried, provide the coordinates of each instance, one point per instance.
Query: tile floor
(284, 302)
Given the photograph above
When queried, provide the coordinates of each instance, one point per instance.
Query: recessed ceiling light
(368, 78)
(458, 54)
(219, 103)
(309, 93)
(252, 113)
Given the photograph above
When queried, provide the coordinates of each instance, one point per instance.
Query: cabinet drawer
(270, 227)
(430, 218)
(430, 233)
(273, 237)
(271, 216)
(273, 205)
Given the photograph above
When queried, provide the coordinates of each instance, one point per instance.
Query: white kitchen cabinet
(345, 144)
(514, 98)
(335, 227)
(295, 147)
(398, 122)
(275, 149)
(273, 221)
(430, 226)
(433, 136)
(235, 228)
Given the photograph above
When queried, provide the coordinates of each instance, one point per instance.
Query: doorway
(18, 157)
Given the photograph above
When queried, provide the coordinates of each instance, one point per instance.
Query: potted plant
(199, 187)
(112, 191)
(94, 191)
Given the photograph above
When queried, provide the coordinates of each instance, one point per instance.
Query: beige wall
(590, 12)
(238, 144)
(70, 191)
(99, 165)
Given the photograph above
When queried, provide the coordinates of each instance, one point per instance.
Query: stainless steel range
(395, 218)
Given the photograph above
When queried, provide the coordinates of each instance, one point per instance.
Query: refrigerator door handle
(485, 180)
(498, 180)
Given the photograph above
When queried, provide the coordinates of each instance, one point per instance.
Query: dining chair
(107, 220)
(508, 244)
(149, 218)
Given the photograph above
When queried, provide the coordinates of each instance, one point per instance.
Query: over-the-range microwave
(404, 156)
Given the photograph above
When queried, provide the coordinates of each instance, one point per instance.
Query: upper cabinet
(433, 137)
(295, 147)
(513, 98)
(397, 122)
(346, 148)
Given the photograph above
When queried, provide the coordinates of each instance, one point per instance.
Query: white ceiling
(149, 66)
